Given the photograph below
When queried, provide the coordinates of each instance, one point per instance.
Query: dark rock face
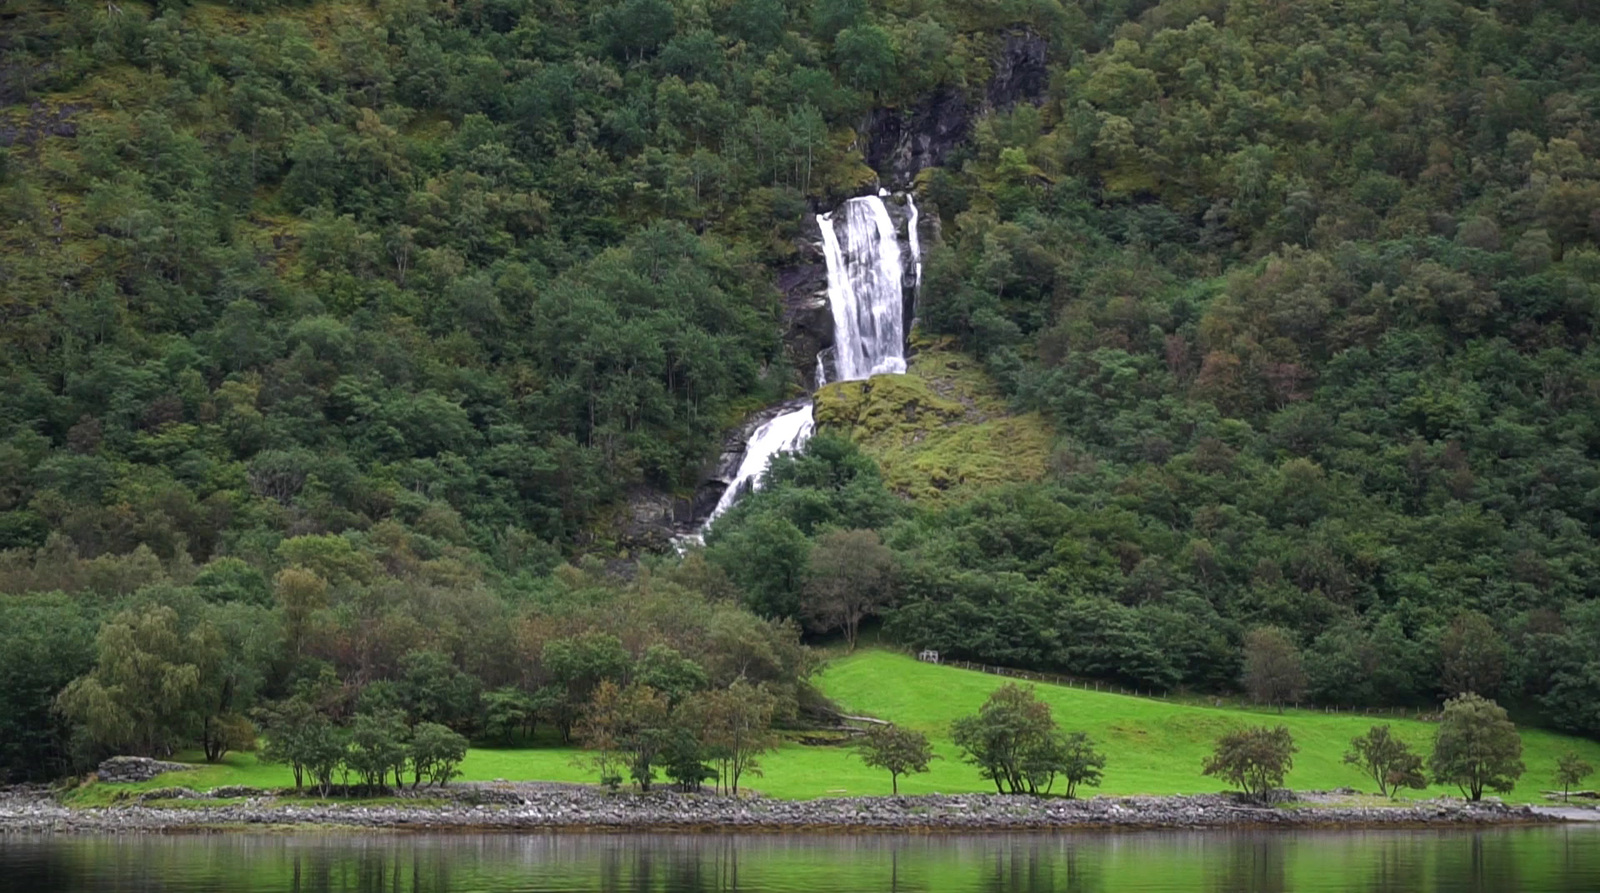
(649, 523)
(899, 143)
(1021, 74)
(807, 321)
(42, 121)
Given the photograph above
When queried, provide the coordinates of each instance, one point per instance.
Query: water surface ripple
(1559, 859)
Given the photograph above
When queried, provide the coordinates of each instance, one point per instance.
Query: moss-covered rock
(940, 431)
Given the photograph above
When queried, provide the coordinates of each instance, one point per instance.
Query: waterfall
(784, 433)
(914, 242)
(866, 290)
(866, 294)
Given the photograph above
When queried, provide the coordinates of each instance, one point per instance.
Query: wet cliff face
(807, 321)
(1021, 72)
(901, 142)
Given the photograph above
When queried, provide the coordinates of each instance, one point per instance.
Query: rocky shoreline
(546, 808)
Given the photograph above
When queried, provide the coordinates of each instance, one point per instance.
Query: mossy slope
(940, 431)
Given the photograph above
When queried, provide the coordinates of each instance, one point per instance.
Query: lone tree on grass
(1255, 760)
(1387, 759)
(1571, 770)
(1273, 673)
(302, 738)
(900, 751)
(1014, 742)
(434, 754)
(1476, 747)
(1071, 756)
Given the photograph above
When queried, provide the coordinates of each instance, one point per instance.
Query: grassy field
(1152, 746)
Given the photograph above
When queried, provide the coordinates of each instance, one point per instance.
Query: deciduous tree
(1014, 742)
(850, 576)
(1571, 770)
(1472, 656)
(632, 721)
(146, 692)
(1255, 760)
(899, 751)
(736, 727)
(1273, 673)
(1387, 759)
(1476, 747)
(435, 753)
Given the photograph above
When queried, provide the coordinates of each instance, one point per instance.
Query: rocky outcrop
(519, 807)
(132, 769)
(807, 321)
(650, 520)
(42, 121)
(1021, 72)
(900, 142)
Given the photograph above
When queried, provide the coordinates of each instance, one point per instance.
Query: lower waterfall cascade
(784, 433)
(866, 294)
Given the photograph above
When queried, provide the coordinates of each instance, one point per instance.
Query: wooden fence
(1165, 697)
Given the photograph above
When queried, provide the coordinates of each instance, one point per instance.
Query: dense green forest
(337, 337)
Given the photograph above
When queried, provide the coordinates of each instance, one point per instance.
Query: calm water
(1527, 861)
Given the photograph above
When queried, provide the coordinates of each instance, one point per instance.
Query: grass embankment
(1152, 747)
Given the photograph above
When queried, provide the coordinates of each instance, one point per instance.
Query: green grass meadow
(1152, 747)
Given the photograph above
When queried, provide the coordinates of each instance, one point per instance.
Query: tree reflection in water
(1542, 860)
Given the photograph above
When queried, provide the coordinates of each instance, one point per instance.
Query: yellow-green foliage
(939, 431)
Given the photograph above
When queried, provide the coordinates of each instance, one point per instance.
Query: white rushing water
(782, 434)
(865, 290)
(914, 242)
(866, 293)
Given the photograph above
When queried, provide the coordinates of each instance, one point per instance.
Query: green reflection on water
(1543, 860)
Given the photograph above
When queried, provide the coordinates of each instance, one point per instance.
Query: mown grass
(1152, 747)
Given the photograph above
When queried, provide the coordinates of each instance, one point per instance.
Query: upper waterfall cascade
(866, 285)
(866, 294)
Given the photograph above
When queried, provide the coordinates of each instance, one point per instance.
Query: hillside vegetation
(342, 339)
(1309, 293)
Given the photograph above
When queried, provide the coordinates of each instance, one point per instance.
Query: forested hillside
(331, 330)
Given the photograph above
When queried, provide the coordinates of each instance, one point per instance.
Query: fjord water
(1527, 860)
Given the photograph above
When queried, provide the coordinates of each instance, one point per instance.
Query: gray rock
(133, 769)
(533, 806)
(900, 143)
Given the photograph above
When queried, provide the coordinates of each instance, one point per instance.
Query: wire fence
(1190, 700)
